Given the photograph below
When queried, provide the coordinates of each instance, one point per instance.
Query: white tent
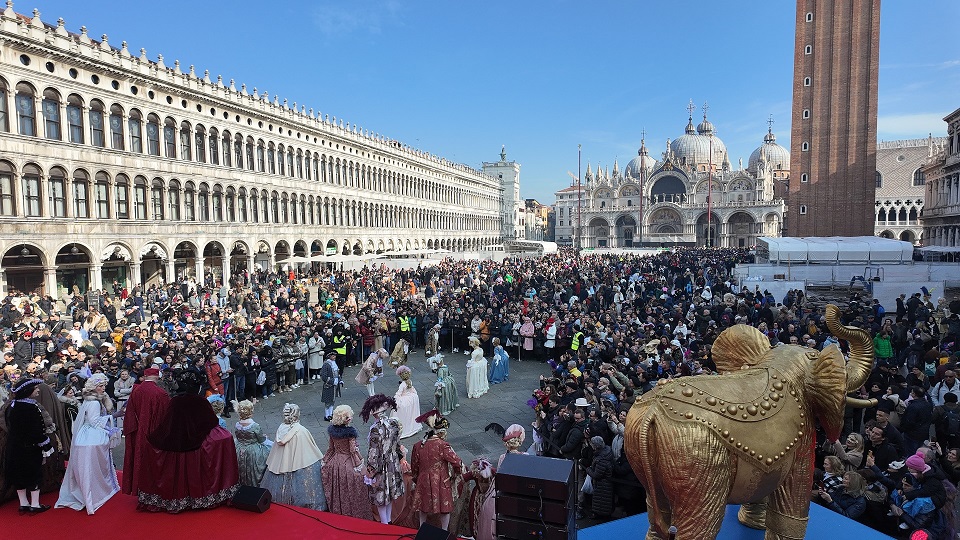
(834, 249)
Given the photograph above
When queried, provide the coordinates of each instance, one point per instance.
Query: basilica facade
(115, 167)
(691, 196)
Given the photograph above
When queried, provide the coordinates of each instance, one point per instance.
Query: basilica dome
(643, 162)
(775, 155)
(695, 144)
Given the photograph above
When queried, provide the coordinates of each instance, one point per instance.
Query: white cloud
(911, 125)
(335, 20)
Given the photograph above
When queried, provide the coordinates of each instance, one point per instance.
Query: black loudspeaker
(429, 532)
(536, 498)
(252, 499)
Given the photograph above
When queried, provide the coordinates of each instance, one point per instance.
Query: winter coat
(601, 474)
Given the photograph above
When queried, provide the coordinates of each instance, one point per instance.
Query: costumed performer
(446, 388)
(330, 376)
(383, 474)
(294, 465)
(372, 369)
(196, 463)
(408, 404)
(477, 383)
(27, 445)
(343, 468)
(252, 445)
(145, 409)
(435, 468)
(501, 364)
(91, 477)
(218, 403)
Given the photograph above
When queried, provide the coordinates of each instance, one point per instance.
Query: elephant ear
(826, 387)
(739, 347)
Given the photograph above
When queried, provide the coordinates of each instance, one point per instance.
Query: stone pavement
(505, 404)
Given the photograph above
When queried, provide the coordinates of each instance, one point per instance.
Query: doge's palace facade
(117, 167)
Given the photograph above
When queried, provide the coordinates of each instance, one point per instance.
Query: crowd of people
(609, 326)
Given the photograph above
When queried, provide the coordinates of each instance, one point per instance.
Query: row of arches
(32, 192)
(92, 121)
(78, 266)
(667, 225)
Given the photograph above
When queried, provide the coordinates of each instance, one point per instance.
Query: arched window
(217, 204)
(238, 150)
(26, 110)
(173, 197)
(254, 207)
(879, 180)
(203, 202)
(4, 116)
(299, 163)
(293, 210)
(170, 138)
(153, 134)
(156, 199)
(116, 127)
(30, 186)
(919, 178)
(316, 167)
(303, 210)
(200, 138)
(123, 196)
(261, 157)
(242, 205)
(290, 160)
(186, 134)
(264, 213)
(280, 163)
(189, 202)
(51, 114)
(135, 125)
(912, 219)
(226, 142)
(96, 124)
(214, 146)
(231, 205)
(271, 159)
(7, 206)
(57, 185)
(81, 194)
(102, 194)
(249, 148)
(140, 198)
(275, 207)
(306, 165)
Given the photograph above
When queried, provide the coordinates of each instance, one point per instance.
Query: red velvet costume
(196, 465)
(145, 409)
(434, 466)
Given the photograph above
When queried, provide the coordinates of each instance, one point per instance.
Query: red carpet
(119, 518)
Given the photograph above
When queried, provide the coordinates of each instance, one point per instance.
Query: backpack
(930, 368)
(951, 421)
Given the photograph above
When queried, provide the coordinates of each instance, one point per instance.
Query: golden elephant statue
(745, 436)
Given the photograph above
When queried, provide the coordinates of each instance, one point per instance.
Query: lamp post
(577, 244)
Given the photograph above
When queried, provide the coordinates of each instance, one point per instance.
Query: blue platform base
(823, 524)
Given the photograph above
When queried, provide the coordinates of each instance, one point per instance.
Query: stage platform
(823, 524)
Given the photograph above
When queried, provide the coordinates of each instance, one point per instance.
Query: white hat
(581, 402)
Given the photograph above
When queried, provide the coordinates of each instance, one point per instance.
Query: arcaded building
(691, 196)
(901, 185)
(116, 166)
(941, 212)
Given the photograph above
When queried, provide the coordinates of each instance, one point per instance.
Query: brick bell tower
(833, 143)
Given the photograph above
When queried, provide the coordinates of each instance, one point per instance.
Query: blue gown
(501, 366)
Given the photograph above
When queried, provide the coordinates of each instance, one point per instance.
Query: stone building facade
(116, 167)
(901, 186)
(941, 212)
(692, 196)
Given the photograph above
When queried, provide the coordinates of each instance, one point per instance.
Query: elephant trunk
(860, 363)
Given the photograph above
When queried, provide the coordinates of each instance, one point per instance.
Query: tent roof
(836, 249)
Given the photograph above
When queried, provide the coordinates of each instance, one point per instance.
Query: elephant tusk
(858, 403)
(860, 362)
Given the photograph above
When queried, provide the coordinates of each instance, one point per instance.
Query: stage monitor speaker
(429, 532)
(252, 499)
(535, 476)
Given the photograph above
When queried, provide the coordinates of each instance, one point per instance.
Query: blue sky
(460, 79)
